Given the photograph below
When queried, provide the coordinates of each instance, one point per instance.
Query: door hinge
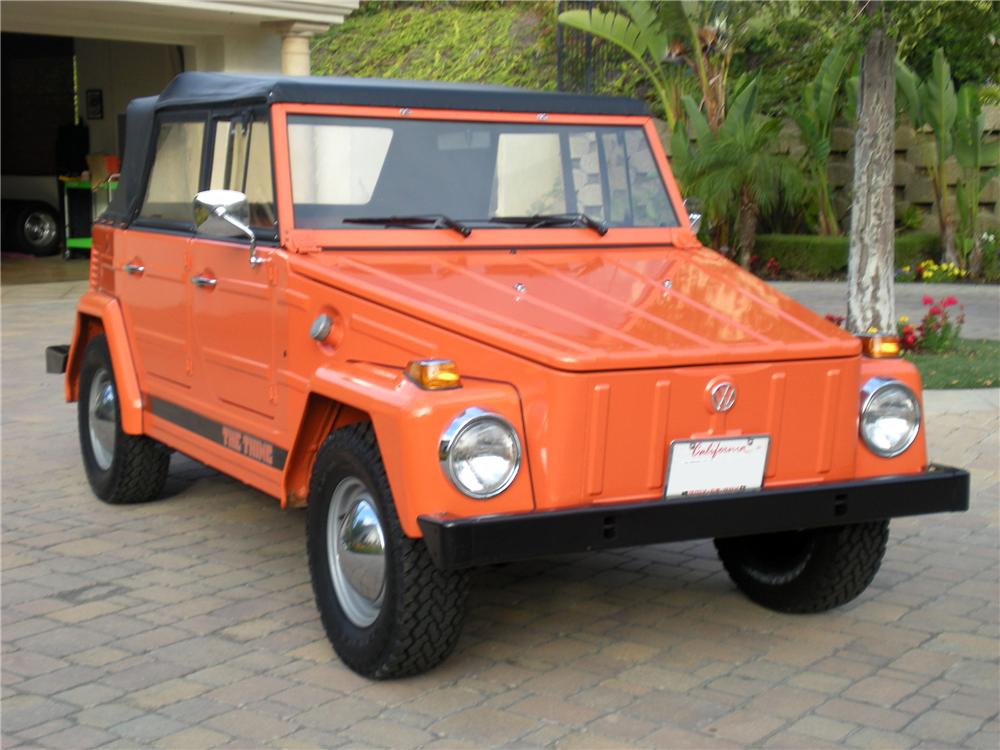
(272, 393)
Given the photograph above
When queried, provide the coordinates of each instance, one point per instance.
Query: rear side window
(241, 160)
(173, 180)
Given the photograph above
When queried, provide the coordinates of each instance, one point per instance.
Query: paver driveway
(189, 622)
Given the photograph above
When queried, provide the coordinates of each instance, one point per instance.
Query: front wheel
(121, 468)
(806, 571)
(386, 608)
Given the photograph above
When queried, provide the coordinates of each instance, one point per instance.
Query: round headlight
(890, 417)
(480, 453)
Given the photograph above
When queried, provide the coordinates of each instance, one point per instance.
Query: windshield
(347, 169)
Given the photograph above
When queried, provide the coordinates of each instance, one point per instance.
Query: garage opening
(63, 134)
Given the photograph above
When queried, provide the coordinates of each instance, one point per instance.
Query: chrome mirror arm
(237, 224)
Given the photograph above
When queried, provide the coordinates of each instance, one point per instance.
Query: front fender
(97, 313)
(408, 423)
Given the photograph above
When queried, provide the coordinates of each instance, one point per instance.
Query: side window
(241, 160)
(173, 180)
(529, 175)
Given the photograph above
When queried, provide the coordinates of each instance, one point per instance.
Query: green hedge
(819, 257)
(507, 43)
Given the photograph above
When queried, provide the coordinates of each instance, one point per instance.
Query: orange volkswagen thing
(466, 325)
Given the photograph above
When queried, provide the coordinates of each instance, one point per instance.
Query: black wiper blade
(549, 220)
(435, 220)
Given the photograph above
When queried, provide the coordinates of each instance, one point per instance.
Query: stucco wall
(122, 71)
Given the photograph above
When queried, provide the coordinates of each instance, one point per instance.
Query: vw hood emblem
(723, 396)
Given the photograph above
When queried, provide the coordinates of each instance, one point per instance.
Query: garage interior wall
(122, 71)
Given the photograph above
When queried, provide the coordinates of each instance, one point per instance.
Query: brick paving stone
(196, 737)
(822, 728)
(24, 711)
(746, 727)
(882, 691)
(250, 725)
(484, 726)
(876, 739)
(77, 738)
(147, 728)
(943, 726)
(387, 734)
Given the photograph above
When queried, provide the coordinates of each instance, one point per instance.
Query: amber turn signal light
(880, 347)
(434, 374)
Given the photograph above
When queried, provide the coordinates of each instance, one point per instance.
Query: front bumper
(482, 540)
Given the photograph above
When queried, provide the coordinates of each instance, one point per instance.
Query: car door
(232, 300)
(152, 258)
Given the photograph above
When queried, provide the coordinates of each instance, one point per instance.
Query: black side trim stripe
(251, 446)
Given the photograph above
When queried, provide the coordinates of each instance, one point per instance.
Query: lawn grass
(973, 363)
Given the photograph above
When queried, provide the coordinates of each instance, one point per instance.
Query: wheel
(386, 608)
(36, 229)
(121, 468)
(806, 571)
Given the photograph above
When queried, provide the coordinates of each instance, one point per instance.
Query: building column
(295, 36)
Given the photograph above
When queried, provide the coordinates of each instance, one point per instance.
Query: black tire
(806, 571)
(421, 608)
(36, 229)
(134, 468)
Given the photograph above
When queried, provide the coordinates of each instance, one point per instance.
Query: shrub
(938, 331)
(821, 257)
(930, 272)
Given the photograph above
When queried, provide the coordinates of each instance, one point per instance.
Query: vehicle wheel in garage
(36, 229)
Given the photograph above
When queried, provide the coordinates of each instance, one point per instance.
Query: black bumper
(55, 359)
(482, 540)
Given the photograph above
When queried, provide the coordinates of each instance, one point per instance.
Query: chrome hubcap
(355, 546)
(40, 229)
(101, 412)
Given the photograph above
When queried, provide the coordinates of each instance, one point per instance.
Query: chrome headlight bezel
(458, 426)
(869, 392)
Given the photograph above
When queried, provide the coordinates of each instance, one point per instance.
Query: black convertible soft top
(211, 90)
(226, 88)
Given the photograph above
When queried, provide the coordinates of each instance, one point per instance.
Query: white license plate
(700, 467)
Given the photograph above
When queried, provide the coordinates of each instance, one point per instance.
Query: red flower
(949, 301)
(934, 310)
(928, 299)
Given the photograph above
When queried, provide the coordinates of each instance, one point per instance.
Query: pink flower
(928, 299)
(949, 301)
(934, 310)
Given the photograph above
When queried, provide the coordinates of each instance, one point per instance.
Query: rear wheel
(387, 610)
(121, 468)
(806, 571)
(36, 229)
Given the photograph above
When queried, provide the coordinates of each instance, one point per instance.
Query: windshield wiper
(435, 220)
(553, 220)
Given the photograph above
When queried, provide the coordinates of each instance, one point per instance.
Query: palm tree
(736, 169)
(814, 118)
(658, 34)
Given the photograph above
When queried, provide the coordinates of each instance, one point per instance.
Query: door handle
(204, 281)
(134, 269)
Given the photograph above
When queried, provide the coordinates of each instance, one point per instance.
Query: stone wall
(914, 152)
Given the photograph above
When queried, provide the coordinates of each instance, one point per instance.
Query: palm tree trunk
(870, 266)
(747, 223)
(946, 221)
(827, 218)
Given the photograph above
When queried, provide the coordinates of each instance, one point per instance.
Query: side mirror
(225, 213)
(694, 211)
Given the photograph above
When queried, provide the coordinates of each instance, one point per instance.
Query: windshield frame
(375, 237)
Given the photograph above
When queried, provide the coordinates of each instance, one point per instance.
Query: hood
(588, 310)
